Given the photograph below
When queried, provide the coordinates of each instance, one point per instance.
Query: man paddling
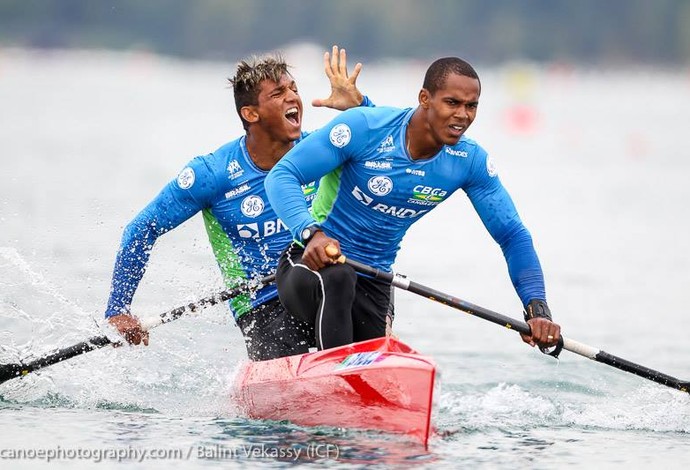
(227, 187)
(384, 169)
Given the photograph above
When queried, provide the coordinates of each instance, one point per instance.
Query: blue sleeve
(498, 214)
(182, 198)
(367, 103)
(320, 153)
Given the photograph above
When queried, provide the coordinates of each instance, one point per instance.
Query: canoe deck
(379, 384)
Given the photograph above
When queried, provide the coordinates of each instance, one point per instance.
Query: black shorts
(342, 306)
(270, 332)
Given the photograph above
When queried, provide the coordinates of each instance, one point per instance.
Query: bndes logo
(399, 212)
(361, 196)
(255, 230)
(456, 153)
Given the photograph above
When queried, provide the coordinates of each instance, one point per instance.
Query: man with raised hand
(246, 235)
(383, 169)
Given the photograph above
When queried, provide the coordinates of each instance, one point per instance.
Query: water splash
(503, 406)
(34, 315)
(511, 407)
(648, 408)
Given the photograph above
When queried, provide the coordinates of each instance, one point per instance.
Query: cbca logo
(427, 193)
(252, 206)
(380, 185)
(309, 189)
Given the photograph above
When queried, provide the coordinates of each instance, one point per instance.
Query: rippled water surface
(597, 163)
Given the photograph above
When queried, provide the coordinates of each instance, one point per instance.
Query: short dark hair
(438, 72)
(250, 74)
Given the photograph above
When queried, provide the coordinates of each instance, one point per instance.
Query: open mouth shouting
(292, 115)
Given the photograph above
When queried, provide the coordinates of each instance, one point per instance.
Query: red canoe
(380, 384)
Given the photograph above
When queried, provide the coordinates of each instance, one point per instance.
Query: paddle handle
(623, 364)
(589, 352)
(222, 296)
(401, 282)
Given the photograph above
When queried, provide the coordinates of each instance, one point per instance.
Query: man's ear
(249, 114)
(424, 97)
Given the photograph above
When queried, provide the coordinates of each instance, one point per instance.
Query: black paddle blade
(10, 371)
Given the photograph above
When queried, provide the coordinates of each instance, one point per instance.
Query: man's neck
(420, 143)
(264, 151)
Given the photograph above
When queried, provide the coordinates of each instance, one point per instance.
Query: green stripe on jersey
(325, 196)
(227, 259)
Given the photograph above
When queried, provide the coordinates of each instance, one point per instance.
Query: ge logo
(340, 135)
(380, 185)
(252, 206)
(185, 179)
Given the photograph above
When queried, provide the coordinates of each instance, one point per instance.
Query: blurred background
(602, 33)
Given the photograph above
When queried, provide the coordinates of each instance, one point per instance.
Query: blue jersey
(246, 235)
(372, 191)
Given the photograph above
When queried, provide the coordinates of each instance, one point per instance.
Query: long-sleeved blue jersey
(246, 235)
(372, 191)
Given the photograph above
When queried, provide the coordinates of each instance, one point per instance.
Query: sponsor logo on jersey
(491, 168)
(380, 185)
(456, 153)
(248, 230)
(340, 135)
(235, 169)
(308, 189)
(399, 212)
(410, 171)
(254, 230)
(185, 179)
(387, 145)
(429, 194)
(377, 165)
(237, 191)
(361, 196)
(252, 205)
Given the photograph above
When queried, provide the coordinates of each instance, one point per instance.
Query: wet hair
(250, 74)
(438, 72)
